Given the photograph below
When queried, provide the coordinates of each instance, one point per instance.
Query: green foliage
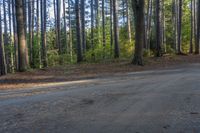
(98, 53)
(53, 58)
(170, 50)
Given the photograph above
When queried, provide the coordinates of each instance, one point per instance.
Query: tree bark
(116, 30)
(22, 51)
(78, 33)
(198, 28)
(43, 34)
(3, 67)
(158, 30)
(138, 9)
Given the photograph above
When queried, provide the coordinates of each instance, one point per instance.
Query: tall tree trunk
(149, 19)
(111, 25)
(195, 22)
(30, 32)
(55, 17)
(192, 28)
(92, 24)
(6, 37)
(43, 34)
(83, 25)
(3, 67)
(128, 21)
(179, 26)
(174, 21)
(58, 26)
(38, 31)
(22, 51)
(138, 9)
(116, 30)
(78, 33)
(65, 25)
(70, 31)
(11, 53)
(103, 23)
(103, 27)
(15, 35)
(163, 26)
(198, 28)
(97, 18)
(158, 30)
(25, 25)
(32, 29)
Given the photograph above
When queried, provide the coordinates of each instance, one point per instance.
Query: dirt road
(164, 101)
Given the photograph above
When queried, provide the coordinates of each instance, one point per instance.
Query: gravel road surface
(162, 101)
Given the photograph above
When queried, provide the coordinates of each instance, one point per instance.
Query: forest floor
(83, 71)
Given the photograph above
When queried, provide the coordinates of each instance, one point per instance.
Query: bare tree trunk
(174, 21)
(78, 33)
(179, 26)
(103, 22)
(83, 25)
(149, 19)
(138, 9)
(43, 34)
(192, 28)
(23, 60)
(158, 30)
(38, 31)
(128, 21)
(30, 32)
(111, 25)
(65, 25)
(15, 35)
(198, 28)
(97, 18)
(6, 37)
(11, 53)
(92, 24)
(70, 31)
(55, 17)
(58, 26)
(3, 67)
(116, 30)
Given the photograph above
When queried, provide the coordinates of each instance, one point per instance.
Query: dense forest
(42, 33)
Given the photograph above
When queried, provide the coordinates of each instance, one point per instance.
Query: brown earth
(88, 71)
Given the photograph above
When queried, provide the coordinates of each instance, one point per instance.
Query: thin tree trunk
(30, 32)
(37, 32)
(92, 24)
(83, 25)
(111, 25)
(128, 21)
(179, 26)
(198, 28)
(6, 38)
(15, 35)
(65, 25)
(149, 19)
(103, 22)
(58, 27)
(43, 34)
(70, 31)
(116, 30)
(192, 27)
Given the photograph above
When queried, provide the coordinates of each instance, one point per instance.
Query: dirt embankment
(85, 71)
